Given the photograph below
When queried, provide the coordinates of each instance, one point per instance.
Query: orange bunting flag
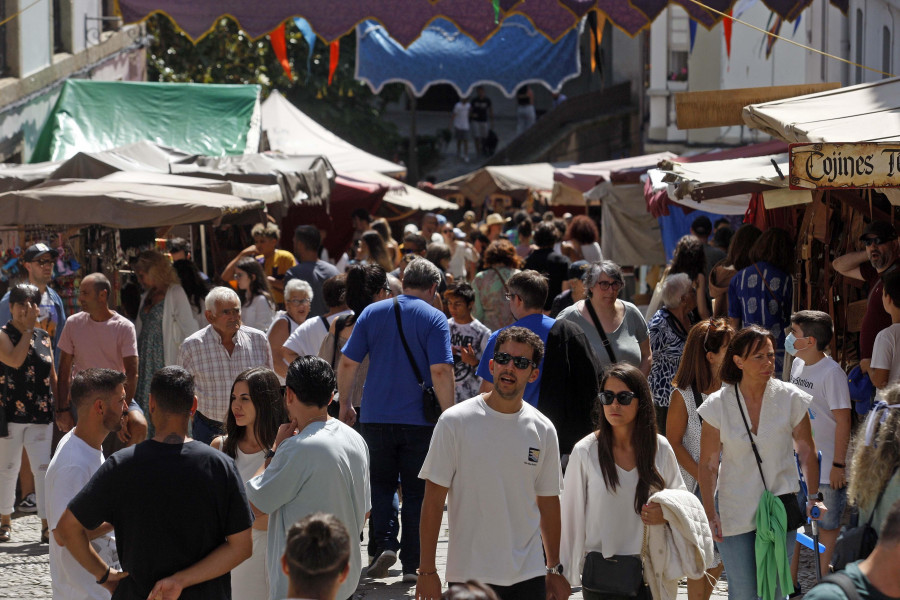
(279, 46)
(335, 52)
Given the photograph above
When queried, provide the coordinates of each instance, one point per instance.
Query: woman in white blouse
(696, 378)
(257, 306)
(612, 473)
(776, 413)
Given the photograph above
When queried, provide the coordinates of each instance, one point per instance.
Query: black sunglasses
(872, 240)
(607, 397)
(521, 362)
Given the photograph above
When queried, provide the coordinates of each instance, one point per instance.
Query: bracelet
(103, 579)
(420, 572)
(839, 465)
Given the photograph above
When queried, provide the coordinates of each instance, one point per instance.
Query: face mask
(789, 344)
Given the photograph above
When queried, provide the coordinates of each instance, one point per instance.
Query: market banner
(518, 54)
(832, 166)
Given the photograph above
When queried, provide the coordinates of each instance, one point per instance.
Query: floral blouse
(25, 392)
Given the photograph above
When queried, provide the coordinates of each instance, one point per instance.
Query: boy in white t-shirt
(468, 338)
(498, 458)
(829, 414)
(884, 369)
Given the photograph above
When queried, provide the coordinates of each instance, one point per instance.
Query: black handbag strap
(406, 346)
(606, 343)
(750, 435)
(843, 581)
(325, 323)
(698, 400)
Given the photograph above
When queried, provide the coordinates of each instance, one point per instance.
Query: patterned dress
(25, 392)
(150, 351)
(667, 337)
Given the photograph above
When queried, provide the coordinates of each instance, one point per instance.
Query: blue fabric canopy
(517, 54)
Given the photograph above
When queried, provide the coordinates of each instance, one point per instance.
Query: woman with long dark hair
(365, 284)
(372, 250)
(250, 427)
(612, 473)
(737, 258)
(195, 287)
(257, 305)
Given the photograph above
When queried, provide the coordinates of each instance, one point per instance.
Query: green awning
(208, 119)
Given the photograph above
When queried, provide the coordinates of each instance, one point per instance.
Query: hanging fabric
(279, 46)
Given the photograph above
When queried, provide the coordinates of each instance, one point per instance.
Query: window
(885, 51)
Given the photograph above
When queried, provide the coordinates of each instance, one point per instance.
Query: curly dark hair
(583, 230)
(501, 253)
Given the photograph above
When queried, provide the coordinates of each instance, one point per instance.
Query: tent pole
(412, 171)
(203, 246)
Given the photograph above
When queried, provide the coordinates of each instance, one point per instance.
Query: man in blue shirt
(527, 294)
(392, 415)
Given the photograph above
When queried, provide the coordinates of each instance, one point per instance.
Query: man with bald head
(98, 337)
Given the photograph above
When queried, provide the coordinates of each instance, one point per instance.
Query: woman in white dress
(610, 476)
(697, 377)
(257, 410)
(257, 306)
(298, 295)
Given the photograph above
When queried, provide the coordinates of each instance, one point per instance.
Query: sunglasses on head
(521, 362)
(607, 397)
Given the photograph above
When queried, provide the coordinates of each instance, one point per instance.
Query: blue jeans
(396, 452)
(739, 558)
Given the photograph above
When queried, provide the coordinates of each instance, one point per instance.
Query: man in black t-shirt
(479, 112)
(178, 508)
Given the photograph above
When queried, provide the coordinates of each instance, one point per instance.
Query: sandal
(5, 532)
(45, 535)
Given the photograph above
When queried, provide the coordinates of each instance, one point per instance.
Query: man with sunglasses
(495, 448)
(880, 256)
(526, 294)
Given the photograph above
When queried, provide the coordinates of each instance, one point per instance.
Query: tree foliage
(227, 55)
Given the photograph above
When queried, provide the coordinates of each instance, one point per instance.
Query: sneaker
(410, 578)
(28, 504)
(378, 569)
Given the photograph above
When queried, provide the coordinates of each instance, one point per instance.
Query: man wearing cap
(545, 260)
(880, 256)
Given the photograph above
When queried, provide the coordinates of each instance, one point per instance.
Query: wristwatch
(269, 453)
(557, 570)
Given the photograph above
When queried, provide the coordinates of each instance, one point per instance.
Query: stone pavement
(25, 569)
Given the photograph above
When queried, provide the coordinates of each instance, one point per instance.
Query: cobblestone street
(26, 569)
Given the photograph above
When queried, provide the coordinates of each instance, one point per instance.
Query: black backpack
(843, 581)
(857, 543)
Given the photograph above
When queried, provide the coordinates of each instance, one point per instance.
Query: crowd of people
(252, 429)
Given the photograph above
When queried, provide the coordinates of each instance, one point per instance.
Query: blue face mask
(789, 344)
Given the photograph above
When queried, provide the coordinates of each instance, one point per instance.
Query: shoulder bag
(606, 342)
(843, 581)
(618, 575)
(430, 404)
(856, 543)
(795, 516)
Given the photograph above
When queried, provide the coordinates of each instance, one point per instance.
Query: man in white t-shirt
(829, 414)
(884, 368)
(99, 397)
(460, 121)
(496, 450)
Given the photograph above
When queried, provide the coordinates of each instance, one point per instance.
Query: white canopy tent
(479, 185)
(571, 183)
(869, 112)
(401, 195)
(290, 131)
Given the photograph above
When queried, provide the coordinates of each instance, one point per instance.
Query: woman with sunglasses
(298, 295)
(612, 473)
(697, 377)
(735, 469)
(620, 322)
(256, 413)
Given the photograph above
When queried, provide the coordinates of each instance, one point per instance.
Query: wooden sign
(831, 166)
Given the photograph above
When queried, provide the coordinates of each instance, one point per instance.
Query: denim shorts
(835, 501)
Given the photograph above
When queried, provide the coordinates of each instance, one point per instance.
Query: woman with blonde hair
(876, 461)
(696, 378)
(164, 320)
(383, 228)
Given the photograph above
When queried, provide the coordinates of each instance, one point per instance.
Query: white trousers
(37, 440)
